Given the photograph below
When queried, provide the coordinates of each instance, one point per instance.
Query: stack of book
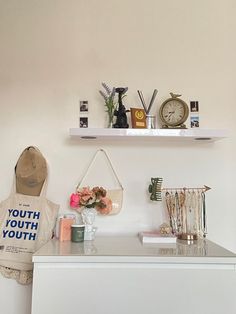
(155, 237)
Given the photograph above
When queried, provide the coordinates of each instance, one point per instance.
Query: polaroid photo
(194, 107)
(83, 122)
(194, 121)
(83, 106)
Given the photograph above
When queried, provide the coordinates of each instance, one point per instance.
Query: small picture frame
(83, 122)
(83, 106)
(194, 121)
(138, 118)
(194, 107)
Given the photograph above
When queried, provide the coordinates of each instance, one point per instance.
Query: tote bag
(26, 223)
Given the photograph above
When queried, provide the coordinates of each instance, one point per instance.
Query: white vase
(88, 217)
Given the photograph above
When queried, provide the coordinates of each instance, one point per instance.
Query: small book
(155, 237)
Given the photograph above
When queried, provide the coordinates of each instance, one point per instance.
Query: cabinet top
(129, 249)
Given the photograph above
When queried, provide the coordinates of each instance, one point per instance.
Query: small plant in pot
(108, 95)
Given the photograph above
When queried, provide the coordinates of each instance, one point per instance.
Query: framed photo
(83, 106)
(194, 106)
(83, 122)
(194, 121)
(138, 118)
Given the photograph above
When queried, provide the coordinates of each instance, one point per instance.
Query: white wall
(55, 53)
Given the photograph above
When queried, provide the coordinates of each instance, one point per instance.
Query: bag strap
(91, 163)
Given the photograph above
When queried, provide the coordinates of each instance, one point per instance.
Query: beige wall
(55, 53)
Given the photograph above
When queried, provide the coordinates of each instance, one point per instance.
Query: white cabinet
(120, 275)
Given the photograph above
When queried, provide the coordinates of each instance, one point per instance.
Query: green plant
(110, 103)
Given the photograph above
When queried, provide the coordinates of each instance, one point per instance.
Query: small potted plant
(110, 103)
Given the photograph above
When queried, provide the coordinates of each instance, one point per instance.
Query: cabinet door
(122, 288)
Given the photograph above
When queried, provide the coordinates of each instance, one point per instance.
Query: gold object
(165, 229)
(187, 236)
(174, 112)
(205, 188)
(138, 118)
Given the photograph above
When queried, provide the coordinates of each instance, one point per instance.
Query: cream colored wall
(55, 53)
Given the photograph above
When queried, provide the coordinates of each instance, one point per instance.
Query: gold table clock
(174, 112)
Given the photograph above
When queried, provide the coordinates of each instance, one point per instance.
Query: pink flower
(86, 195)
(91, 198)
(106, 206)
(74, 200)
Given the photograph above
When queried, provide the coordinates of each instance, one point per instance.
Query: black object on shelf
(121, 117)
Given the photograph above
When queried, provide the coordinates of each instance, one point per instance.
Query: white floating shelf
(165, 134)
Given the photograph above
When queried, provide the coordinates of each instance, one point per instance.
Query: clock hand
(169, 117)
(169, 114)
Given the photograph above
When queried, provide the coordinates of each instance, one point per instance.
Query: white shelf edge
(209, 135)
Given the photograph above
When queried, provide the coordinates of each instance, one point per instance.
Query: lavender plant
(110, 103)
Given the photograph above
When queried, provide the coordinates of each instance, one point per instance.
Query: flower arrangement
(91, 198)
(111, 104)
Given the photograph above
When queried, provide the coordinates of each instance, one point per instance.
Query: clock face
(174, 112)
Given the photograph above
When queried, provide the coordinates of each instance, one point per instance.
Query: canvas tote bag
(115, 194)
(26, 223)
